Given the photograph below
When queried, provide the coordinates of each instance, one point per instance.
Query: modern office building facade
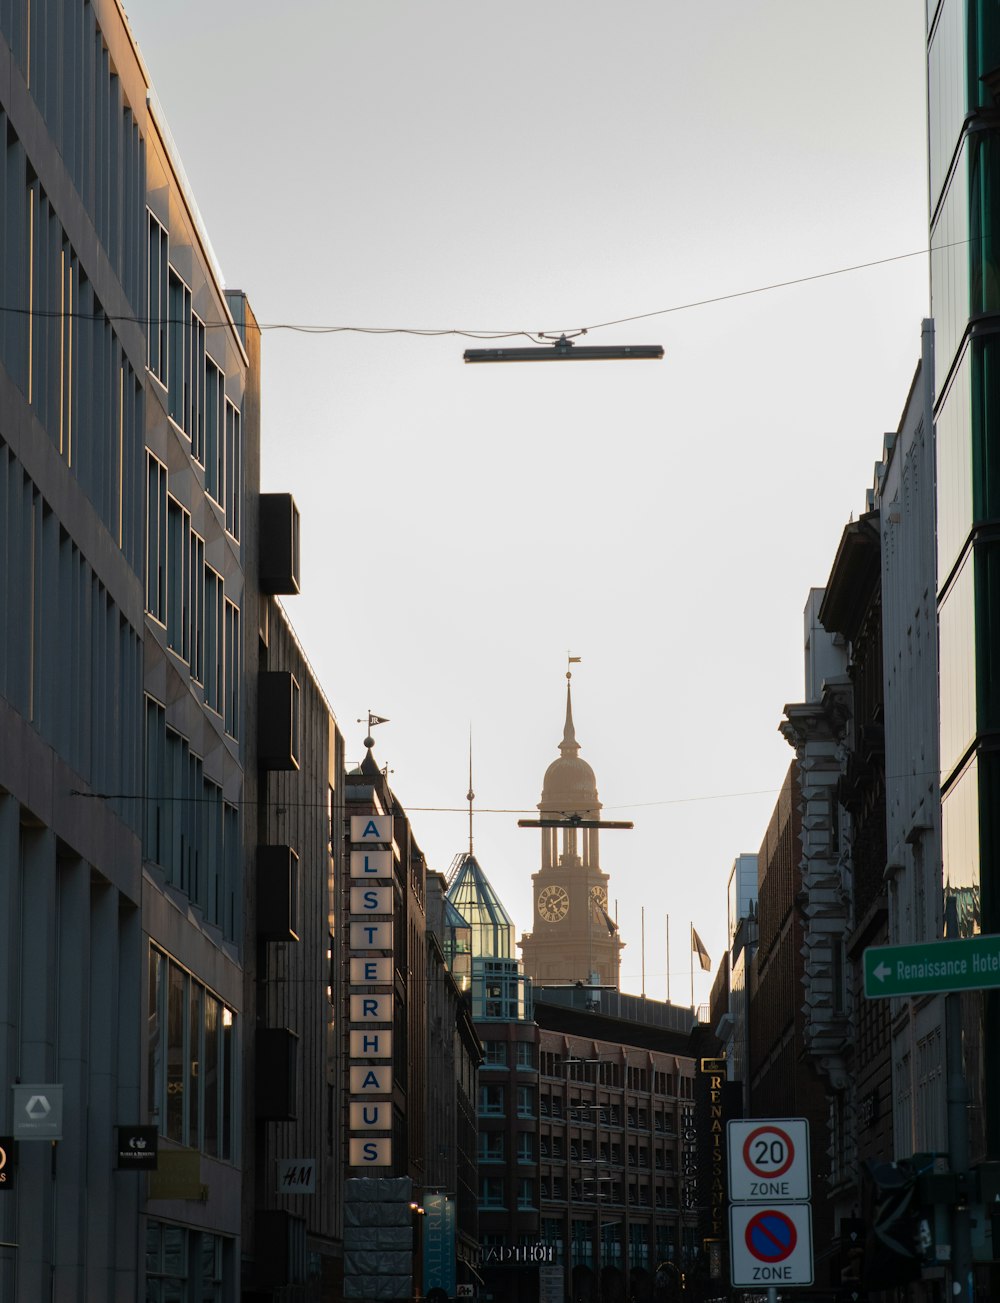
(168, 900)
(128, 421)
(963, 59)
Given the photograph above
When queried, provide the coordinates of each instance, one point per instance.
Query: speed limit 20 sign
(768, 1160)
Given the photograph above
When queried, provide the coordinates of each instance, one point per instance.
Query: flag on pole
(376, 719)
(698, 948)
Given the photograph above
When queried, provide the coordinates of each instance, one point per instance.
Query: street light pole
(958, 1129)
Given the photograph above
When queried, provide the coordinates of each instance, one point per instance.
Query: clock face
(599, 895)
(553, 904)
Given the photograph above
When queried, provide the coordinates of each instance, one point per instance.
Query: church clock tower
(573, 938)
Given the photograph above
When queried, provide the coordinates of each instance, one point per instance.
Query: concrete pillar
(35, 1234)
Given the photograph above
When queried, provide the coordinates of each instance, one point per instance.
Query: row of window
(554, 1147)
(189, 830)
(493, 1100)
(493, 1147)
(196, 386)
(61, 53)
(608, 1072)
(186, 596)
(492, 1193)
(69, 660)
(640, 1234)
(60, 349)
(191, 1047)
(600, 1191)
(496, 1054)
(182, 1263)
(585, 1111)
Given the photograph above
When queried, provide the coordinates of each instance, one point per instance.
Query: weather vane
(373, 720)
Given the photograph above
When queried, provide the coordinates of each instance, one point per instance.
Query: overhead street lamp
(564, 349)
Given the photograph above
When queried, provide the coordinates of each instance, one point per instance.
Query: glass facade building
(963, 43)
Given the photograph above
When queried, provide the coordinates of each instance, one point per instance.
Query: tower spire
(569, 744)
(470, 796)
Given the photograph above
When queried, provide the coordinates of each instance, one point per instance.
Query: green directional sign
(933, 967)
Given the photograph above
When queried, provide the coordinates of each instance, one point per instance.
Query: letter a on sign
(371, 829)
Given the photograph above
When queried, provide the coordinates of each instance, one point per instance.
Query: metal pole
(668, 959)
(958, 1128)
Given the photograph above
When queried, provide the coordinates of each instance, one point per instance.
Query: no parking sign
(771, 1245)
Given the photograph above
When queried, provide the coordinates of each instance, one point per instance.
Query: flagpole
(642, 934)
(668, 959)
(691, 958)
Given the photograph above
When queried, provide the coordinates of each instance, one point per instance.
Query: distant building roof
(470, 892)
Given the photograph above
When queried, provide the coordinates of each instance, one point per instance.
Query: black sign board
(7, 1167)
(137, 1148)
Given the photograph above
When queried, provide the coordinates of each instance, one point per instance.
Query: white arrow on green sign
(933, 967)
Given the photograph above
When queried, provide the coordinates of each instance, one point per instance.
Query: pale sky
(543, 166)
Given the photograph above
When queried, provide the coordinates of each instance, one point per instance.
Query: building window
(491, 1146)
(156, 301)
(234, 470)
(214, 639)
(491, 1192)
(196, 602)
(178, 579)
(638, 1247)
(191, 1060)
(198, 372)
(183, 1264)
(525, 1101)
(525, 1054)
(491, 1100)
(156, 539)
(526, 1192)
(179, 352)
(582, 1244)
(215, 407)
(233, 672)
(494, 1054)
(526, 1147)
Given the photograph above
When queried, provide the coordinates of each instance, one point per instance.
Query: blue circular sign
(771, 1236)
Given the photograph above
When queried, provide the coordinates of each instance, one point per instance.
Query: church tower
(573, 938)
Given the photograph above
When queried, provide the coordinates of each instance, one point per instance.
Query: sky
(543, 167)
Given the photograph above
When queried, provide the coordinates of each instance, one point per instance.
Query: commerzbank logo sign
(38, 1112)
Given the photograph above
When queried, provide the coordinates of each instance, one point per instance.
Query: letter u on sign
(369, 1115)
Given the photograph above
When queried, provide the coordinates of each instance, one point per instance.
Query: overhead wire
(482, 333)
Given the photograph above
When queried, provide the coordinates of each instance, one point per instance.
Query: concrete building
(292, 1199)
(783, 1083)
(905, 499)
(616, 1140)
(456, 1054)
(129, 435)
(508, 1090)
(732, 1027)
